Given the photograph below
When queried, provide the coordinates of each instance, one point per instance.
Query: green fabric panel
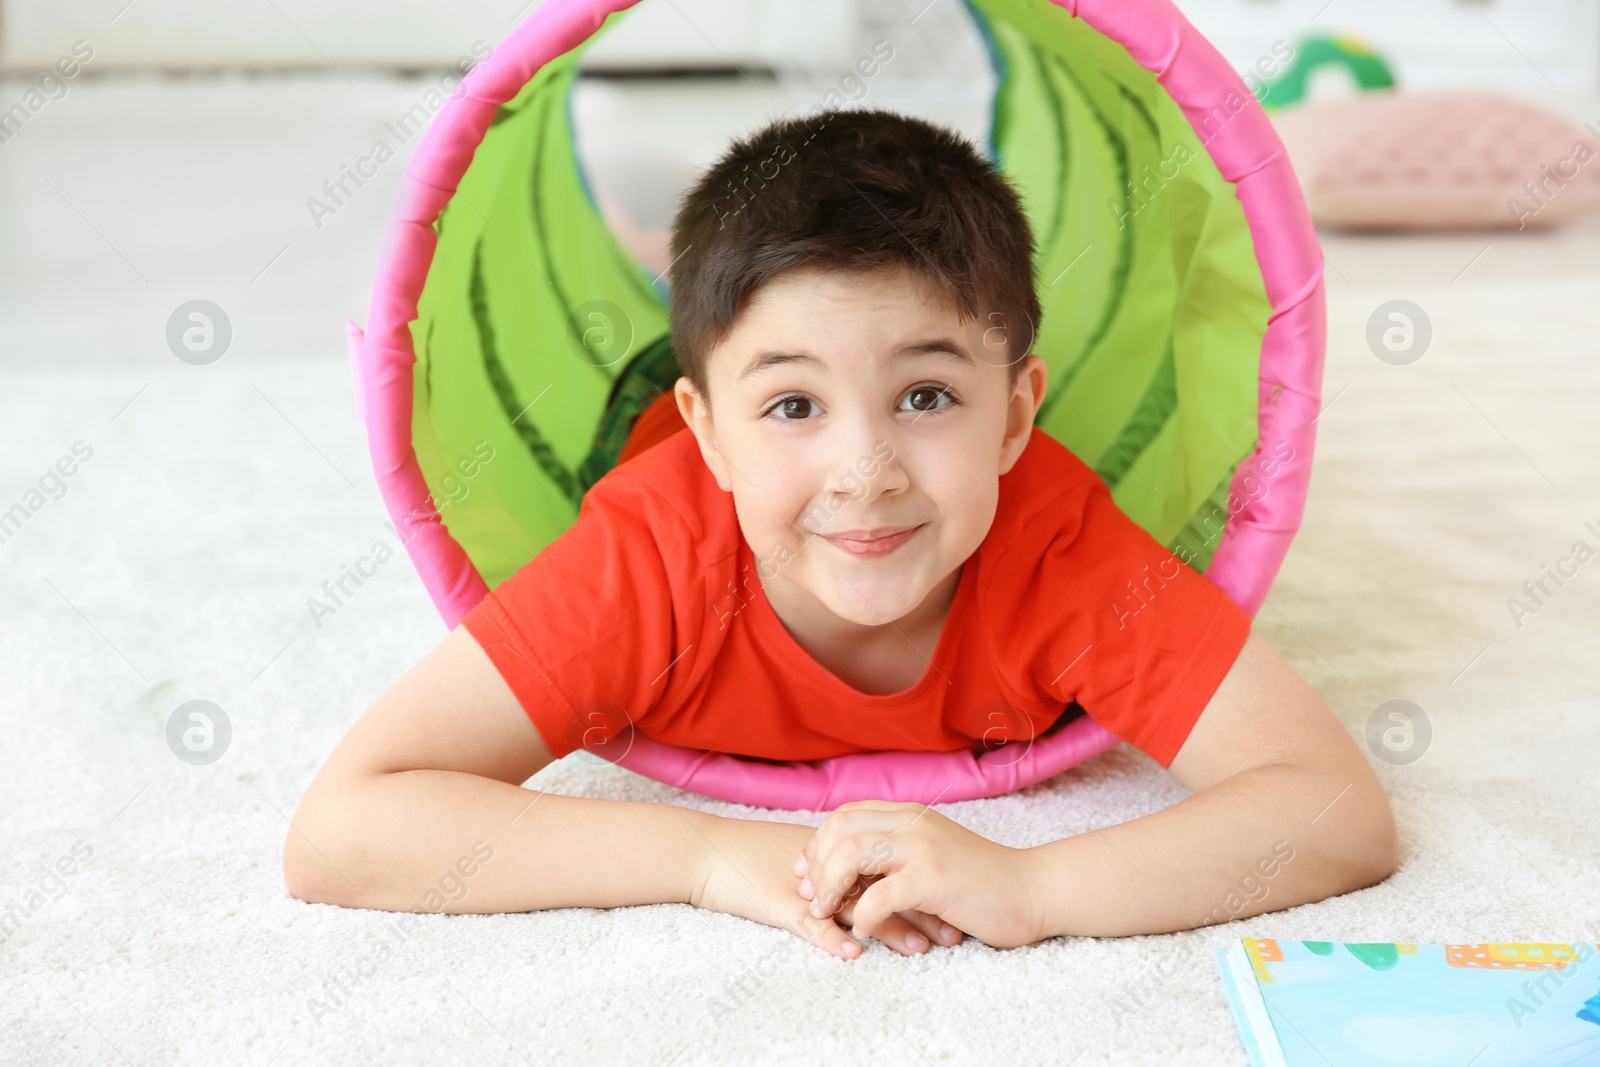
(515, 412)
(1156, 407)
(1160, 395)
(1102, 351)
(1040, 149)
(525, 271)
(1099, 393)
(1153, 304)
(1202, 533)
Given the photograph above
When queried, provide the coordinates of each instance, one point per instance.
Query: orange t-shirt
(647, 610)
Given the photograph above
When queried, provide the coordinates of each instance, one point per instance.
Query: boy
(859, 542)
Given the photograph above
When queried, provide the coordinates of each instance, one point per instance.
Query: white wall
(213, 33)
(1511, 44)
(364, 33)
(1536, 45)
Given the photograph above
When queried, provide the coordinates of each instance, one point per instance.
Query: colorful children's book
(1328, 1004)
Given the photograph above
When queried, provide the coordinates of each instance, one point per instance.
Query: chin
(873, 603)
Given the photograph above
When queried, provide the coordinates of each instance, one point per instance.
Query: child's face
(871, 421)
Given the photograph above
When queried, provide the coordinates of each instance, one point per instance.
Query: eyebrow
(939, 346)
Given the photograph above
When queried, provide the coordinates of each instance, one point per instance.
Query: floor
(176, 562)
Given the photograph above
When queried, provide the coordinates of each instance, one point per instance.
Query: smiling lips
(870, 544)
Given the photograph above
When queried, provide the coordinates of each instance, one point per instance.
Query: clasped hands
(898, 871)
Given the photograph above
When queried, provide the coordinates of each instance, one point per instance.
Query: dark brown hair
(856, 190)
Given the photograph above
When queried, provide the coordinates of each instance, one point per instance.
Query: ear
(1026, 396)
(697, 413)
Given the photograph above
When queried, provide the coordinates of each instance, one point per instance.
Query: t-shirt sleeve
(583, 633)
(1147, 638)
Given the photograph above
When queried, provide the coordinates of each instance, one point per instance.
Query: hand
(747, 870)
(934, 929)
(919, 861)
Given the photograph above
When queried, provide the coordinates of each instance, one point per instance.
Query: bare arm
(420, 808)
(1286, 810)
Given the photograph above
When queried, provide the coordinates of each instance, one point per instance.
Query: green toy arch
(1154, 306)
(512, 339)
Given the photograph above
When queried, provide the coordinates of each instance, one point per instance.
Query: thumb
(825, 933)
(898, 892)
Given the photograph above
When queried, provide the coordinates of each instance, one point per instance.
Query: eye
(794, 407)
(927, 398)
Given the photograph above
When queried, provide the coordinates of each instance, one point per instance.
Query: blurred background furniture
(1509, 44)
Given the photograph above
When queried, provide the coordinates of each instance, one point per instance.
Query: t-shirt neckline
(792, 654)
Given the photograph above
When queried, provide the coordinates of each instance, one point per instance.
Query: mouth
(870, 544)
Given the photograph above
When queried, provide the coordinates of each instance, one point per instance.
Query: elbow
(300, 875)
(1385, 851)
(311, 876)
(299, 886)
(326, 853)
(1376, 848)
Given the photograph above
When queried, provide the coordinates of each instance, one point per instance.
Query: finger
(856, 816)
(895, 931)
(854, 858)
(871, 805)
(808, 854)
(936, 930)
(829, 880)
(825, 934)
(849, 895)
(929, 925)
(898, 893)
(844, 823)
(815, 845)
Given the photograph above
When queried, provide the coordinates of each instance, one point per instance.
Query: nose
(866, 463)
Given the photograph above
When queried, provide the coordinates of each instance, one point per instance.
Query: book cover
(1329, 1004)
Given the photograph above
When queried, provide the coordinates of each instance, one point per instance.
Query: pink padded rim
(1246, 151)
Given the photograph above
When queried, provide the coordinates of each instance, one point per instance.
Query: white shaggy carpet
(218, 499)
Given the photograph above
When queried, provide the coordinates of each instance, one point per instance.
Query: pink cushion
(1440, 161)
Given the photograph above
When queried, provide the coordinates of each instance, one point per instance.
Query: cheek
(965, 488)
(774, 506)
